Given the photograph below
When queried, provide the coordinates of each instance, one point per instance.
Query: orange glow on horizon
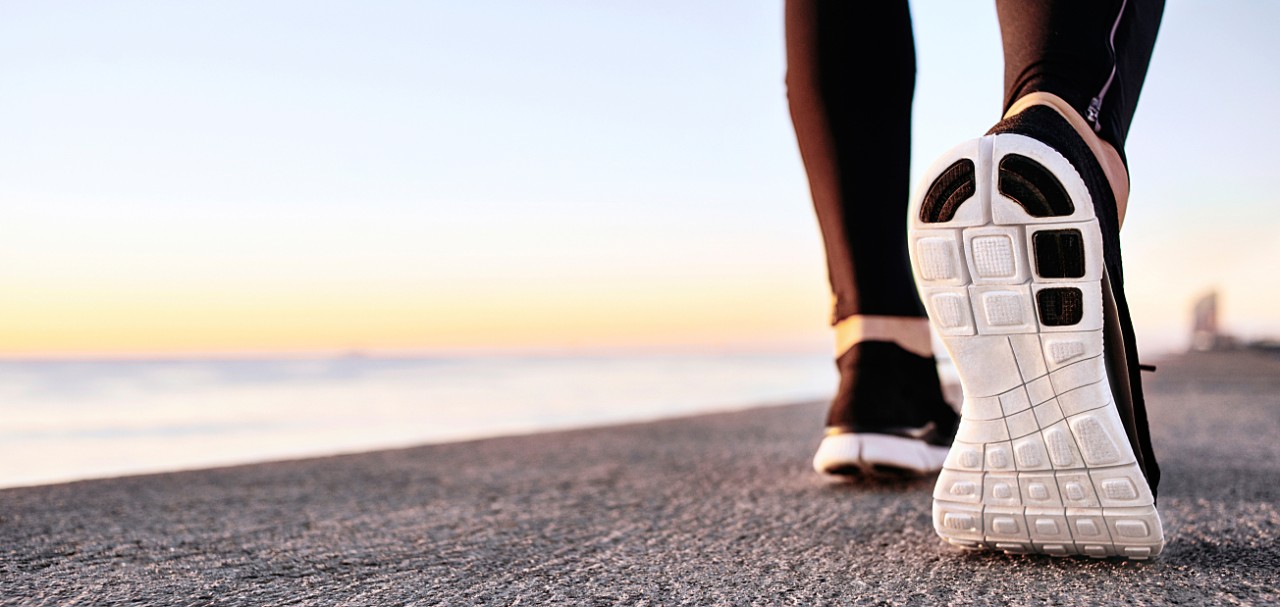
(235, 319)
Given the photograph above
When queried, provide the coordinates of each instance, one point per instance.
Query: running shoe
(889, 418)
(1014, 243)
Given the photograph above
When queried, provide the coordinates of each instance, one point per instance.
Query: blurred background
(237, 231)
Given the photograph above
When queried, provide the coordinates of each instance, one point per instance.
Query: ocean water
(69, 420)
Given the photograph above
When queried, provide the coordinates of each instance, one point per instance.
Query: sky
(256, 177)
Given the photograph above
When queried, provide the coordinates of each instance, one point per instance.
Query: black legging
(850, 79)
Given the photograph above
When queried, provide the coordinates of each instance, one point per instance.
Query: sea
(66, 420)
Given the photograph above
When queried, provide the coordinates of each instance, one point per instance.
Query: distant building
(1206, 333)
(1204, 322)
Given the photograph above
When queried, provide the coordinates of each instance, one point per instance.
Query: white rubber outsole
(1041, 462)
(877, 455)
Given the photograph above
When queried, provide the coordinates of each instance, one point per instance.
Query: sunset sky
(250, 177)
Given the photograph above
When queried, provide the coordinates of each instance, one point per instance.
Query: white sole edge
(1041, 462)
(872, 454)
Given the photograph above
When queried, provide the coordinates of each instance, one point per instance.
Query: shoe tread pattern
(1041, 462)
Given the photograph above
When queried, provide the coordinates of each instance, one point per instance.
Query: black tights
(850, 79)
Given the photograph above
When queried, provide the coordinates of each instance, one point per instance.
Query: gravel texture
(709, 510)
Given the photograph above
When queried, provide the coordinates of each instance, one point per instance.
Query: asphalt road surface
(709, 510)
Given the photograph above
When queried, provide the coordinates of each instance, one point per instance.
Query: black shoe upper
(1048, 126)
(888, 390)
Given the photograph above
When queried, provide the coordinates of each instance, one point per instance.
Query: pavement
(711, 510)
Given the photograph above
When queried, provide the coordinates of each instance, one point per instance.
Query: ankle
(1108, 157)
(910, 333)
